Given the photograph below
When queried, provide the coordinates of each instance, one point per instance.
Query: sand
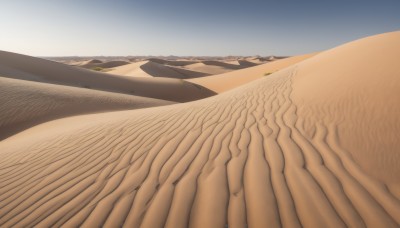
(24, 104)
(91, 64)
(34, 69)
(149, 68)
(182, 69)
(223, 82)
(213, 67)
(283, 150)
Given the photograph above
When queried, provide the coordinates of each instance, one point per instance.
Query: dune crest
(254, 156)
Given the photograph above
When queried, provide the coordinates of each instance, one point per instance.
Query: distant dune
(313, 144)
(94, 61)
(149, 68)
(183, 69)
(213, 67)
(35, 69)
(90, 64)
(172, 62)
(246, 63)
(223, 82)
(208, 69)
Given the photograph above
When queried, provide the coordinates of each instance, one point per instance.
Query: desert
(308, 140)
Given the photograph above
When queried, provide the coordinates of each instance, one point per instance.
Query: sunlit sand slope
(360, 91)
(255, 156)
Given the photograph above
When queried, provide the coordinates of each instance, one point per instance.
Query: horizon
(181, 28)
(163, 56)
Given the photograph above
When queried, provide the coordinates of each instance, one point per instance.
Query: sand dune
(364, 87)
(210, 69)
(77, 62)
(215, 67)
(24, 103)
(313, 145)
(93, 61)
(225, 64)
(259, 60)
(132, 69)
(247, 63)
(97, 63)
(149, 68)
(223, 82)
(183, 69)
(172, 62)
(35, 69)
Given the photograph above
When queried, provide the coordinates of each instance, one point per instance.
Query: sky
(189, 28)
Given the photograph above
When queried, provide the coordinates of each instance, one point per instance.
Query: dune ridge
(255, 156)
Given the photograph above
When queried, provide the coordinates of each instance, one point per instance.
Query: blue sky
(178, 27)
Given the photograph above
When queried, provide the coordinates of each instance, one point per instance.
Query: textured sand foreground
(315, 145)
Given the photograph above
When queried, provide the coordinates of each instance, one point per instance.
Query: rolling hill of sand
(312, 145)
(25, 103)
(35, 69)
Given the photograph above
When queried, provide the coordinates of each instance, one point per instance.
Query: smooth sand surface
(25, 103)
(223, 82)
(312, 145)
(35, 69)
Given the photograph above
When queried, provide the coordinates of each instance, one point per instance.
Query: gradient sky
(186, 27)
